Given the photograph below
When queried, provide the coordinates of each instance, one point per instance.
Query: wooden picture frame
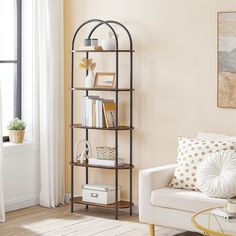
(104, 80)
(226, 63)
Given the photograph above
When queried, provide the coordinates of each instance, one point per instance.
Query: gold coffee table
(213, 225)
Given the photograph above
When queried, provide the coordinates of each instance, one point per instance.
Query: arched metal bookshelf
(129, 128)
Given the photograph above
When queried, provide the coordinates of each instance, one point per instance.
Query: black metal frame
(18, 79)
(107, 23)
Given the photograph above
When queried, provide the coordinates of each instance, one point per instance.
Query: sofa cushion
(216, 176)
(184, 200)
(191, 152)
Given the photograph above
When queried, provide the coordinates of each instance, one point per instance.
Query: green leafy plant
(16, 124)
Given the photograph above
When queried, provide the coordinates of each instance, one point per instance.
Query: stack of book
(98, 112)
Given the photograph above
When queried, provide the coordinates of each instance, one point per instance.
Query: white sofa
(168, 207)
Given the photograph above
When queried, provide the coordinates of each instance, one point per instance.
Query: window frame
(18, 80)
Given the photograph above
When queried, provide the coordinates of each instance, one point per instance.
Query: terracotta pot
(16, 136)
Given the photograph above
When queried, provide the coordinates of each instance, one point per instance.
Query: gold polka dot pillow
(190, 154)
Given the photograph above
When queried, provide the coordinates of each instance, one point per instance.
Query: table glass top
(214, 225)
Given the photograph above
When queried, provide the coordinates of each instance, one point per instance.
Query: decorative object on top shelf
(16, 129)
(87, 42)
(105, 80)
(85, 154)
(94, 42)
(91, 42)
(109, 43)
(88, 65)
(105, 153)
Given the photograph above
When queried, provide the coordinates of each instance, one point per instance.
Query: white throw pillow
(218, 137)
(191, 152)
(216, 176)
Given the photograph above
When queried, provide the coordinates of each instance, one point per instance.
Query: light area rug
(59, 221)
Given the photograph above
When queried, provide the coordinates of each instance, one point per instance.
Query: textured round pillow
(216, 175)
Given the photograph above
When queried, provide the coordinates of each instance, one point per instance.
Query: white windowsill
(26, 146)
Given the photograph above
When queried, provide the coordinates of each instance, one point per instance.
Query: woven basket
(105, 153)
(16, 136)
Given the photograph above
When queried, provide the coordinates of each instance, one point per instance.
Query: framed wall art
(226, 53)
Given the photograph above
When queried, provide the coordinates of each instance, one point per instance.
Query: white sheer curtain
(49, 64)
(2, 210)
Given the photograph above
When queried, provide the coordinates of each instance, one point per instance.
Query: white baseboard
(68, 196)
(20, 203)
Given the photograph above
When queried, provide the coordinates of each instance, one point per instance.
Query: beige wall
(174, 75)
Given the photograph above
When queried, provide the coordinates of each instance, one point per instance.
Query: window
(10, 61)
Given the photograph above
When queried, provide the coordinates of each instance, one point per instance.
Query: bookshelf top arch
(108, 24)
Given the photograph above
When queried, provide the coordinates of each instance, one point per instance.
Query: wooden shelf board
(101, 89)
(121, 204)
(120, 50)
(79, 126)
(123, 167)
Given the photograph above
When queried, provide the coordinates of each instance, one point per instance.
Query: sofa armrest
(149, 180)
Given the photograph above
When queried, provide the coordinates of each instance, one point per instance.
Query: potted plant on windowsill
(16, 129)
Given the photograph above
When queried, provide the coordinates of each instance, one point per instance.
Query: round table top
(213, 225)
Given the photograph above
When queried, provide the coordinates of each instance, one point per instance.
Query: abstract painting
(226, 94)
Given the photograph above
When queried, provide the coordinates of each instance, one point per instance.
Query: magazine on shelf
(109, 109)
(112, 163)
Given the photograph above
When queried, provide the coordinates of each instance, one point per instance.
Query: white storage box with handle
(99, 193)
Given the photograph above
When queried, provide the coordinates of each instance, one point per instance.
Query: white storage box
(99, 193)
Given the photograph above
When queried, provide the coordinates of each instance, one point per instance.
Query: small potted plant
(89, 65)
(16, 129)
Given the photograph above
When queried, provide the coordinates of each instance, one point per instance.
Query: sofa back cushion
(190, 154)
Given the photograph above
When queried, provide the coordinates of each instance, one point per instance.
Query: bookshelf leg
(130, 211)
(72, 207)
(116, 213)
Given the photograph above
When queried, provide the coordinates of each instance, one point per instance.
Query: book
(99, 112)
(95, 48)
(89, 110)
(83, 105)
(109, 109)
(93, 113)
(112, 163)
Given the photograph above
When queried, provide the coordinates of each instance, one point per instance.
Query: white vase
(109, 43)
(89, 80)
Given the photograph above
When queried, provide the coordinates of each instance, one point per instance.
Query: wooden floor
(59, 221)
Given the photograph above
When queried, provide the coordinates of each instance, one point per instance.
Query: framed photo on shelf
(104, 80)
